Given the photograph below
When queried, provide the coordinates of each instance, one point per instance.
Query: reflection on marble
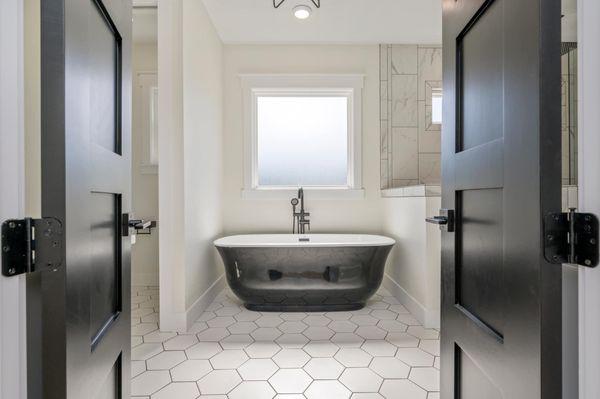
(430, 67)
(405, 153)
(383, 111)
(404, 60)
(384, 140)
(404, 101)
(409, 139)
(383, 62)
(430, 135)
(429, 168)
(384, 174)
(565, 156)
(569, 117)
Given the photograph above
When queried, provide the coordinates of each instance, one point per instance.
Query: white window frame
(349, 86)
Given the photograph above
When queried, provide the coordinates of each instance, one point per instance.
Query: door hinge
(571, 237)
(30, 245)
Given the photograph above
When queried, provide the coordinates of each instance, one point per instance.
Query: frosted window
(302, 141)
(436, 107)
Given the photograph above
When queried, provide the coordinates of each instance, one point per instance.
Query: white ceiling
(337, 21)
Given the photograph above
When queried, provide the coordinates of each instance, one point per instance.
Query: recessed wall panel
(111, 388)
(480, 256)
(472, 382)
(104, 64)
(480, 80)
(105, 287)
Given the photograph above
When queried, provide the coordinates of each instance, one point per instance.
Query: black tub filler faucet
(300, 219)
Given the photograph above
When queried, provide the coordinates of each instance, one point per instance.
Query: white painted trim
(183, 321)
(412, 191)
(145, 3)
(196, 310)
(146, 84)
(256, 85)
(310, 193)
(13, 371)
(429, 318)
(588, 14)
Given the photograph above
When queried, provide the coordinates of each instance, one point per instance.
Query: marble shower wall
(410, 142)
(569, 117)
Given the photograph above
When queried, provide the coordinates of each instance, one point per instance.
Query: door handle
(140, 224)
(445, 220)
(440, 220)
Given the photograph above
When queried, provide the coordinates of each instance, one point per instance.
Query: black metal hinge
(30, 245)
(571, 238)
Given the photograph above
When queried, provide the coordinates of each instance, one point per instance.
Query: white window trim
(148, 95)
(350, 86)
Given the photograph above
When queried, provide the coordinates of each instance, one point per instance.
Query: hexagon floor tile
(378, 352)
(290, 381)
(252, 389)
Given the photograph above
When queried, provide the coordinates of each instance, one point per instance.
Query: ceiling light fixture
(278, 3)
(302, 12)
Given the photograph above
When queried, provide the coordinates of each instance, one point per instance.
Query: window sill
(429, 190)
(310, 193)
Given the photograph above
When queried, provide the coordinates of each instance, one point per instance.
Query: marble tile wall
(410, 142)
(569, 117)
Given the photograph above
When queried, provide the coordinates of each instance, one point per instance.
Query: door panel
(474, 384)
(84, 306)
(105, 65)
(501, 301)
(480, 74)
(479, 262)
(105, 290)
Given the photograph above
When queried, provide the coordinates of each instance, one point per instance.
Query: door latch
(445, 220)
(571, 237)
(30, 245)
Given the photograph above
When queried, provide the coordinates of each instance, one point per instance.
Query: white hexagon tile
(379, 352)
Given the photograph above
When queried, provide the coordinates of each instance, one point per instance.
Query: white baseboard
(196, 310)
(429, 318)
(182, 321)
(144, 279)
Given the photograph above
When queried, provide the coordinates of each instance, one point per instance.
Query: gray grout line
(302, 345)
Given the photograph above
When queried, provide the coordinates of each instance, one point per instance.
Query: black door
(501, 317)
(79, 315)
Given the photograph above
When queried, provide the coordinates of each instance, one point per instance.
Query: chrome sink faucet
(300, 221)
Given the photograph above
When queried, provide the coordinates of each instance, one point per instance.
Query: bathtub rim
(322, 241)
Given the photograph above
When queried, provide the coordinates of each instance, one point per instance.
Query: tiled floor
(378, 352)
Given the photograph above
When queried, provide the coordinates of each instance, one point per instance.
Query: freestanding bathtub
(315, 272)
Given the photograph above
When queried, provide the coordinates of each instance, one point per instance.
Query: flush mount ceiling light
(278, 3)
(302, 12)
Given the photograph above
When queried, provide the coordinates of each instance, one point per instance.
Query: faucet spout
(301, 198)
(300, 218)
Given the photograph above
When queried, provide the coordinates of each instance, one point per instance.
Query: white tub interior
(307, 240)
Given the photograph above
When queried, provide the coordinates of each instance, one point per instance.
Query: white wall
(190, 159)
(12, 197)
(144, 186)
(588, 13)
(244, 215)
(414, 266)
